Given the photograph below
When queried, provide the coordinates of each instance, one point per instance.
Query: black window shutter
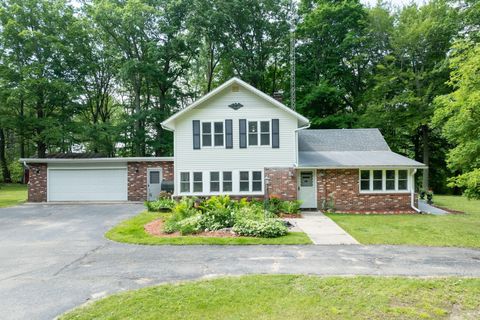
(196, 134)
(228, 134)
(243, 133)
(275, 133)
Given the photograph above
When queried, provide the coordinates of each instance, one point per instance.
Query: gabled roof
(167, 124)
(348, 148)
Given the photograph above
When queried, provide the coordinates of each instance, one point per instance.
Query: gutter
(296, 142)
(412, 193)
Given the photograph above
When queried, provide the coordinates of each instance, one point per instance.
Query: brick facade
(342, 187)
(282, 182)
(137, 177)
(37, 182)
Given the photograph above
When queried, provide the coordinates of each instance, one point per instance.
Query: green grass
(294, 297)
(12, 194)
(132, 231)
(454, 230)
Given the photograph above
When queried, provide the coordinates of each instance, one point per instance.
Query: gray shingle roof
(341, 140)
(348, 148)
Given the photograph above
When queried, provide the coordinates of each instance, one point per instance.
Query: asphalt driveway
(54, 257)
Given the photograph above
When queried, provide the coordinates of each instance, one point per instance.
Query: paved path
(322, 230)
(53, 258)
(425, 207)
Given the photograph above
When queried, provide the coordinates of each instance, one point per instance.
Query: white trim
(93, 160)
(384, 177)
(366, 167)
(166, 124)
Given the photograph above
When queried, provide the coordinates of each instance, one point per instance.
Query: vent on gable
(235, 88)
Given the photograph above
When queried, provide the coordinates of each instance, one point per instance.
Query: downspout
(412, 192)
(296, 142)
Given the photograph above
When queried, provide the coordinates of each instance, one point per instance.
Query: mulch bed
(155, 228)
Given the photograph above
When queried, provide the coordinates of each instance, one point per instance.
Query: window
(206, 134)
(184, 181)
(256, 181)
(214, 181)
(252, 133)
(384, 180)
(306, 179)
(402, 180)
(377, 180)
(365, 180)
(390, 180)
(227, 181)
(218, 133)
(264, 133)
(197, 182)
(154, 177)
(244, 181)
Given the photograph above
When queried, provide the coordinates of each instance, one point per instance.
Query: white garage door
(87, 184)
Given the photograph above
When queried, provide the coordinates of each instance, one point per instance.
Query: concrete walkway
(425, 207)
(322, 230)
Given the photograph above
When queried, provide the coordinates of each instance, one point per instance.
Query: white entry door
(307, 189)
(154, 183)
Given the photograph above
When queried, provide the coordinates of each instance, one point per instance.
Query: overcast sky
(397, 3)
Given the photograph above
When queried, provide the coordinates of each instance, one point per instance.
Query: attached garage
(80, 177)
(87, 184)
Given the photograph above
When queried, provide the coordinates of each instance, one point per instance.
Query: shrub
(267, 228)
(190, 225)
(273, 205)
(182, 210)
(164, 204)
(254, 212)
(170, 226)
(291, 207)
(217, 219)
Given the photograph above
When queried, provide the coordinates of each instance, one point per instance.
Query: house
(239, 141)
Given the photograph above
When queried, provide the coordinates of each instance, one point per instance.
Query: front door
(154, 183)
(307, 189)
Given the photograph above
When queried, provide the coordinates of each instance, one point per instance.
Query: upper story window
(384, 180)
(258, 133)
(218, 134)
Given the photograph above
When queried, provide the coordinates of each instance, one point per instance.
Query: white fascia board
(94, 160)
(365, 166)
(167, 123)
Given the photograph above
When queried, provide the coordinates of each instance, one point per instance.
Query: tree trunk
(426, 156)
(139, 139)
(3, 160)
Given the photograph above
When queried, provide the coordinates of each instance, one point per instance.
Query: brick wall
(137, 177)
(37, 182)
(343, 186)
(283, 182)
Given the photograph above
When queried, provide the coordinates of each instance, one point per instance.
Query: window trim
(212, 134)
(384, 181)
(197, 181)
(189, 181)
(259, 133)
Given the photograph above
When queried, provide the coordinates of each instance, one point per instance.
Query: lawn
(12, 194)
(131, 231)
(454, 230)
(294, 297)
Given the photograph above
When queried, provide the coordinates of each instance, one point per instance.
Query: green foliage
(163, 204)
(190, 225)
(290, 207)
(458, 115)
(267, 228)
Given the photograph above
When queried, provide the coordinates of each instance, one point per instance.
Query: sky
(396, 3)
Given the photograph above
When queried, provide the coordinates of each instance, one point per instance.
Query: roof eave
(94, 160)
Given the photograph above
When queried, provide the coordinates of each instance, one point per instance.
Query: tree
(458, 114)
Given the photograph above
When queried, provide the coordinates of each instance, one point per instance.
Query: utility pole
(293, 22)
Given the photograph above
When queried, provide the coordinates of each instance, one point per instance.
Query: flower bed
(192, 216)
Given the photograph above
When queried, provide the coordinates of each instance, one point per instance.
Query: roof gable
(169, 123)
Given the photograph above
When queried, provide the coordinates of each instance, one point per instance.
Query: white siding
(236, 159)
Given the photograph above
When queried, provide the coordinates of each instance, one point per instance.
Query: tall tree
(458, 114)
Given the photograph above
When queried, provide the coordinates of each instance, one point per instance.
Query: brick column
(37, 182)
(283, 183)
